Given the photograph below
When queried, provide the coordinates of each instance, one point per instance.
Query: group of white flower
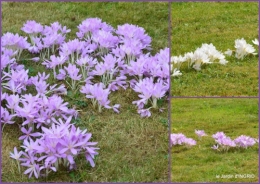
(208, 54)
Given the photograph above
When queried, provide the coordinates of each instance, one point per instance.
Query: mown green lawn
(132, 149)
(201, 163)
(219, 23)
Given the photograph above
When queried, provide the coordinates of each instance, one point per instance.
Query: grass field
(132, 149)
(219, 23)
(200, 163)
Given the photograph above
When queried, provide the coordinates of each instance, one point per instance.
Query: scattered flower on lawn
(225, 143)
(206, 54)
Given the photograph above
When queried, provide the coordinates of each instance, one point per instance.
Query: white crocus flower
(174, 59)
(223, 61)
(200, 57)
(176, 72)
(189, 58)
(197, 66)
(256, 42)
(228, 52)
(178, 60)
(206, 54)
(243, 48)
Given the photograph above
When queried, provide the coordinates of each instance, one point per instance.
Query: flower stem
(19, 168)
(154, 102)
(99, 108)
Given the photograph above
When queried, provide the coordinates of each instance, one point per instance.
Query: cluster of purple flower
(100, 54)
(13, 45)
(56, 145)
(47, 143)
(181, 139)
(97, 93)
(224, 142)
(101, 57)
(149, 91)
(44, 39)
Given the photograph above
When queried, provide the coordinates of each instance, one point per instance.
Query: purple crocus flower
(71, 48)
(200, 133)
(54, 35)
(28, 110)
(91, 25)
(6, 60)
(14, 41)
(226, 142)
(244, 141)
(98, 94)
(13, 87)
(88, 48)
(144, 112)
(33, 168)
(120, 81)
(177, 139)
(73, 72)
(12, 102)
(32, 27)
(180, 139)
(3, 96)
(105, 40)
(16, 155)
(36, 46)
(28, 145)
(133, 32)
(159, 64)
(190, 142)
(136, 68)
(215, 147)
(61, 75)
(55, 61)
(56, 103)
(150, 90)
(28, 134)
(6, 117)
(19, 77)
(64, 140)
(70, 146)
(219, 135)
(86, 63)
(223, 141)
